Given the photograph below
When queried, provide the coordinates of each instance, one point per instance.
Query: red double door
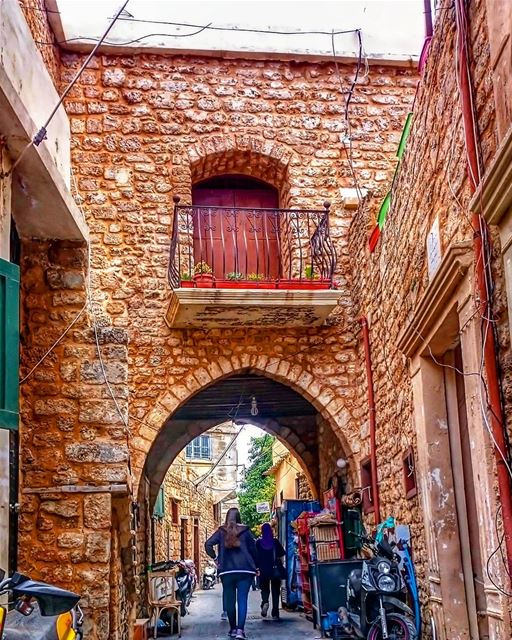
(241, 237)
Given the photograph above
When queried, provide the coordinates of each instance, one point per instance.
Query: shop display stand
(305, 559)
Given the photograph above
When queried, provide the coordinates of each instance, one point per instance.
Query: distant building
(291, 483)
(214, 457)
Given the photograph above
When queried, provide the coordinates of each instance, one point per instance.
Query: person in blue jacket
(237, 564)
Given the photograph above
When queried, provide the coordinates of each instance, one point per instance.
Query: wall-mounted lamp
(341, 463)
(254, 406)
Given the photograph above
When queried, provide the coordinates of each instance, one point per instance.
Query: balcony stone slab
(216, 308)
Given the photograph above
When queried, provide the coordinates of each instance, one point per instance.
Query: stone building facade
(187, 519)
(418, 290)
(291, 482)
(108, 386)
(145, 128)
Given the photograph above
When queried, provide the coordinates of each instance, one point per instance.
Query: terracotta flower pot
(204, 281)
(187, 284)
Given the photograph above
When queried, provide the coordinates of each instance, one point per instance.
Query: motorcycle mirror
(52, 600)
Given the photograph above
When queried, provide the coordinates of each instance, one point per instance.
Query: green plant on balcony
(234, 275)
(310, 274)
(186, 276)
(255, 277)
(201, 268)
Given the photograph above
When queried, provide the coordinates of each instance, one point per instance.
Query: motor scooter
(376, 606)
(209, 575)
(191, 568)
(183, 581)
(41, 611)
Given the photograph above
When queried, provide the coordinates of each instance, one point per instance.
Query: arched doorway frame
(323, 399)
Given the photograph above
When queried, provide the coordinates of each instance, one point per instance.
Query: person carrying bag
(272, 570)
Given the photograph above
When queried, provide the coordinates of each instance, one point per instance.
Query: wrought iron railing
(233, 247)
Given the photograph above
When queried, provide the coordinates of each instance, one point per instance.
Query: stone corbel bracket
(432, 303)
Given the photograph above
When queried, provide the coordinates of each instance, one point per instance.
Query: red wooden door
(238, 238)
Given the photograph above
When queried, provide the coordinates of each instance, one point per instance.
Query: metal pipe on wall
(371, 414)
(484, 285)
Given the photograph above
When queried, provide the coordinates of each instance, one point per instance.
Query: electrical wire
(47, 353)
(349, 151)
(41, 134)
(198, 26)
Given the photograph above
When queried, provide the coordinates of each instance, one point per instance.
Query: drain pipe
(371, 413)
(484, 285)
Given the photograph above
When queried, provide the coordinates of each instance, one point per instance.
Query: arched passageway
(281, 411)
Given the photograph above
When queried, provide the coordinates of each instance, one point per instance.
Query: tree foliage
(256, 487)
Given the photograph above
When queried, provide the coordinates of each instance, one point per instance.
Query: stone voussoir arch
(236, 153)
(283, 370)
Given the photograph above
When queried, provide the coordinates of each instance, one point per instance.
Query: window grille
(200, 448)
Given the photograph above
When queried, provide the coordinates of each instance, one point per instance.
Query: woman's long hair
(233, 519)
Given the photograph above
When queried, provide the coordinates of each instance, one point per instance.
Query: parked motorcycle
(191, 568)
(209, 575)
(183, 581)
(376, 598)
(41, 611)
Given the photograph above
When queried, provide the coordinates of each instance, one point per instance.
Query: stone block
(98, 511)
(70, 540)
(104, 452)
(61, 508)
(97, 547)
(102, 411)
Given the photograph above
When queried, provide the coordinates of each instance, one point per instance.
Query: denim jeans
(236, 588)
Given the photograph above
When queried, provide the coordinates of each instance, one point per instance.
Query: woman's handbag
(278, 568)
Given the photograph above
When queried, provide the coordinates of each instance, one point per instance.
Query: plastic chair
(162, 597)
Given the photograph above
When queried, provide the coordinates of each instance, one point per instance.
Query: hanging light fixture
(254, 406)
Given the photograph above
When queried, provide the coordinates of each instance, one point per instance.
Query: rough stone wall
(37, 19)
(143, 128)
(304, 490)
(388, 283)
(193, 502)
(70, 432)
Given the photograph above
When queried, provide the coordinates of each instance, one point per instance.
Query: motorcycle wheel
(399, 628)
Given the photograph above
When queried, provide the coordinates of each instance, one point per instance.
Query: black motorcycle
(184, 585)
(376, 598)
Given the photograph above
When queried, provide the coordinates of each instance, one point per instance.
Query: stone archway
(328, 407)
(253, 156)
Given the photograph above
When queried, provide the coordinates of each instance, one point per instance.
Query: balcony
(250, 267)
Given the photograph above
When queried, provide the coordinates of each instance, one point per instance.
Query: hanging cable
(41, 134)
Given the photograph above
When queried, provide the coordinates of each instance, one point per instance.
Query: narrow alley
(204, 621)
(256, 286)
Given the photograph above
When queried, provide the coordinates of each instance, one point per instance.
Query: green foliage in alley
(256, 487)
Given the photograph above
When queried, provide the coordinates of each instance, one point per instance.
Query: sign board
(433, 249)
(262, 507)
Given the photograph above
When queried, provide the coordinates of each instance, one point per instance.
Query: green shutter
(159, 510)
(9, 343)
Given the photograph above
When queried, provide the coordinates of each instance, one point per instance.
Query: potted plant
(203, 276)
(311, 280)
(233, 280)
(310, 274)
(186, 280)
(258, 281)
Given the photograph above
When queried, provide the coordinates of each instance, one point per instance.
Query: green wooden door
(9, 343)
